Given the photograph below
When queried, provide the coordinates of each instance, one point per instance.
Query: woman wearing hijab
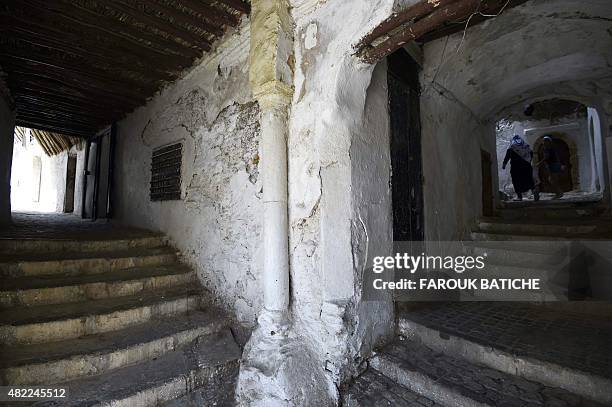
(520, 155)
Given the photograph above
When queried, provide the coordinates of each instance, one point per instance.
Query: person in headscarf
(520, 155)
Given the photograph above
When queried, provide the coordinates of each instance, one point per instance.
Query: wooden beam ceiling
(75, 66)
(426, 21)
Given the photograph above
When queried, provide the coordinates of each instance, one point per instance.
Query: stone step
(559, 212)
(456, 382)
(24, 246)
(209, 365)
(30, 325)
(59, 289)
(529, 242)
(540, 228)
(374, 389)
(97, 354)
(76, 263)
(500, 361)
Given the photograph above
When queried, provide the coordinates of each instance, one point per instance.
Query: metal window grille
(166, 173)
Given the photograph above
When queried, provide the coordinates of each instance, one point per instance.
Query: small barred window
(166, 173)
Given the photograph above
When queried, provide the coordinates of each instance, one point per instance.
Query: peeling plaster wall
(7, 127)
(339, 197)
(217, 223)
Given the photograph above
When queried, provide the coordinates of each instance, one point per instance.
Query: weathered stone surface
(114, 334)
(552, 346)
(97, 354)
(374, 389)
(57, 289)
(453, 381)
(210, 360)
(84, 263)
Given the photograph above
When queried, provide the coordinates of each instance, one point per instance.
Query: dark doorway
(565, 178)
(487, 183)
(70, 184)
(406, 161)
(97, 182)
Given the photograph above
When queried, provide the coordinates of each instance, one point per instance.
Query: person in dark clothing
(553, 164)
(520, 155)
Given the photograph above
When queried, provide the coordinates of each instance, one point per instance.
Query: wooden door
(97, 183)
(90, 179)
(70, 184)
(406, 159)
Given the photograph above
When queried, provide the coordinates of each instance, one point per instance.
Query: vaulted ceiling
(75, 66)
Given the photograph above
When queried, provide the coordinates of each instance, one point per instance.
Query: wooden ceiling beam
(211, 12)
(120, 62)
(33, 106)
(58, 116)
(54, 87)
(101, 111)
(181, 17)
(454, 11)
(239, 5)
(154, 21)
(490, 7)
(34, 123)
(97, 113)
(120, 85)
(96, 25)
(39, 82)
(57, 122)
(55, 115)
(67, 102)
(416, 11)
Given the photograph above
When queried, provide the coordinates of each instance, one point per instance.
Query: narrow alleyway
(110, 313)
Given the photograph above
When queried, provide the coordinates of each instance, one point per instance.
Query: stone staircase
(432, 364)
(120, 322)
(505, 353)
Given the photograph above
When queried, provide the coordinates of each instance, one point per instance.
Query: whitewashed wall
(217, 223)
(52, 178)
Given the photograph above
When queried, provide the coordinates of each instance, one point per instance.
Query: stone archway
(568, 154)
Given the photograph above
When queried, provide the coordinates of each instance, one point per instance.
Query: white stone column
(270, 76)
(274, 104)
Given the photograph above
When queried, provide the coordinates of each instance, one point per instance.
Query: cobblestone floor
(456, 379)
(374, 389)
(568, 339)
(64, 226)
